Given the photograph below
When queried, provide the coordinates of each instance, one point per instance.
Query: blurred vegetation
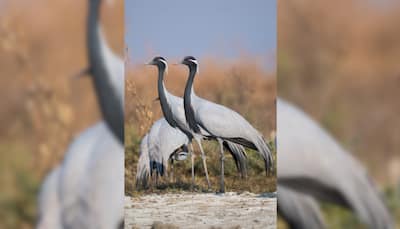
(242, 85)
(339, 61)
(41, 47)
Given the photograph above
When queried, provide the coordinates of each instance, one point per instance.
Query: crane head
(160, 62)
(191, 62)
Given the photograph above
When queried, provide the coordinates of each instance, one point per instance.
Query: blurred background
(339, 62)
(42, 45)
(235, 45)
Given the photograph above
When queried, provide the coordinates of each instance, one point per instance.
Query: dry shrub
(143, 113)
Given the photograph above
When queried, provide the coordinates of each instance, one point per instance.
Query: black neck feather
(165, 106)
(187, 101)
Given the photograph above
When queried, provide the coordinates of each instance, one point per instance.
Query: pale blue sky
(217, 28)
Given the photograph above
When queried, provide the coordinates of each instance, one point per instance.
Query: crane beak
(149, 63)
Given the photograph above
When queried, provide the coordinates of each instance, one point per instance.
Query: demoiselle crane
(220, 122)
(173, 110)
(102, 190)
(312, 162)
(94, 161)
(107, 70)
(161, 144)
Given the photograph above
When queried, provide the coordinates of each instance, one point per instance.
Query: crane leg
(222, 182)
(172, 171)
(166, 174)
(192, 158)
(151, 181)
(203, 157)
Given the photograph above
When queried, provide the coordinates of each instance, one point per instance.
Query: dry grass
(243, 86)
(160, 225)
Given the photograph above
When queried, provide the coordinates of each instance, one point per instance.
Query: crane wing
(221, 121)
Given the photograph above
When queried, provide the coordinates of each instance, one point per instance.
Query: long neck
(110, 104)
(187, 100)
(165, 106)
(93, 30)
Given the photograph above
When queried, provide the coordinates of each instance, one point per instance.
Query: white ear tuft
(166, 65)
(197, 65)
(193, 61)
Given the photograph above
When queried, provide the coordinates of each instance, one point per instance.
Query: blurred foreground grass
(19, 186)
(338, 218)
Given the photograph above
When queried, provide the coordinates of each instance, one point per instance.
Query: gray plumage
(312, 162)
(49, 203)
(73, 172)
(299, 210)
(91, 180)
(102, 190)
(156, 148)
(69, 178)
(143, 165)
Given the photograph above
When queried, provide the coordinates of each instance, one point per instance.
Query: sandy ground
(194, 210)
